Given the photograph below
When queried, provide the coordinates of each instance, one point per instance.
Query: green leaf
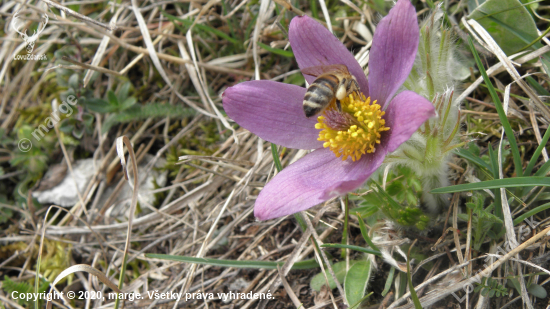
(127, 103)
(495, 184)
(395, 188)
(495, 15)
(513, 282)
(367, 211)
(73, 81)
(112, 98)
(357, 279)
(123, 92)
(339, 270)
(295, 79)
(151, 110)
(537, 290)
(309, 264)
(473, 4)
(99, 106)
(356, 248)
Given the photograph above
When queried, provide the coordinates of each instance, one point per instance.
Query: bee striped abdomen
(319, 94)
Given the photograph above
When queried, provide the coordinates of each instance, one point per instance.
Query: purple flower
(343, 158)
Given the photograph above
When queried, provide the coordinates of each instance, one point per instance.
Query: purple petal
(404, 115)
(274, 112)
(312, 180)
(314, 45)
(393, 50)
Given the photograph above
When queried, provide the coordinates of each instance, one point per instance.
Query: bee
(333, 83)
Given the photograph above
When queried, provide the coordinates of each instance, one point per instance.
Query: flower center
(353, 131)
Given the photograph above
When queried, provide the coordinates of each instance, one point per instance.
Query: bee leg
(338, 105)
(357, 90)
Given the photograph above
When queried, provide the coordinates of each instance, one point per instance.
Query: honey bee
(334, 82)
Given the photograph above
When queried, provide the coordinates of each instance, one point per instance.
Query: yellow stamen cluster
(355, 130)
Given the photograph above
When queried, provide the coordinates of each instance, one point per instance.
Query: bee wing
(321, 69)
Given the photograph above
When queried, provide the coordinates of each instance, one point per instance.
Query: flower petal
(314, 45)
(274, 112)
(311, 180)
(404, 115)
(393, 50)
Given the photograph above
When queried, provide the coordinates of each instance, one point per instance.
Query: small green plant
(490, 287)
(482, 219)
(9, 286)
(123, 108)
(533, 288)
(114, 103)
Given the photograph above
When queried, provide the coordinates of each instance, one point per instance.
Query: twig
(78, 15)
(91, 67)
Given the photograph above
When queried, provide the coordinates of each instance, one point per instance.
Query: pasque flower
(349, 144)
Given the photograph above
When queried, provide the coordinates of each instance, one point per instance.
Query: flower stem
(345, 231)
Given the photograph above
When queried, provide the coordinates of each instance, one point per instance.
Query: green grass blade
(250, 26)
(206, 28)
(499, 212)
(498, 104)
(544, 169)
(538, 151)
(472, 158)
(535, 41)
(276, 160)
(530, 213)
(365, 233)
(414, 297)
(389, 281)
(279, 168)
(281, 52)
(493, 157)
(537, 86)
(356, 248)
(545, 65)
(345, 230)
(496, 184)
(430, 4)
(309, 264)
